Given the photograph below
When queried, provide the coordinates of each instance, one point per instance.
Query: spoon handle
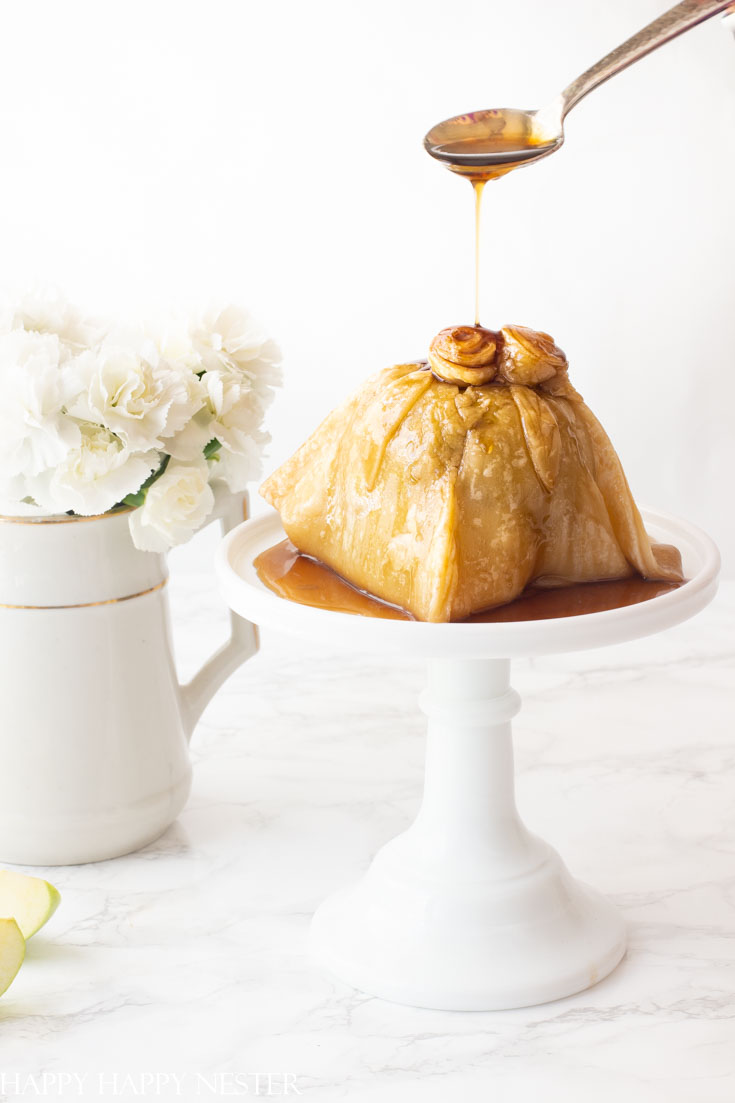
(682, 17)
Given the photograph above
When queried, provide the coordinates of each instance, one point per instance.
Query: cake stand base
(466, 910)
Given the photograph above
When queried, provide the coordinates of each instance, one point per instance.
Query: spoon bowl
(486, 144)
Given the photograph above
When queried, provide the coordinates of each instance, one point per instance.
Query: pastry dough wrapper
(447, 500)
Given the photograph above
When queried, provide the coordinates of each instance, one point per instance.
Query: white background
(160, 153)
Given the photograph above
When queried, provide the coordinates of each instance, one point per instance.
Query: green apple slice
(12, 952)
(28, 900)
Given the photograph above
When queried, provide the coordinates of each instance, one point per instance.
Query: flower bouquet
(95, 418)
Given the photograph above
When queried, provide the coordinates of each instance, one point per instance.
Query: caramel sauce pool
(298, 578)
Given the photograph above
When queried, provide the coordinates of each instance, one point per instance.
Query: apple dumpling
(447, 486)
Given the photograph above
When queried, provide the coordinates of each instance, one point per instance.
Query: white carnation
(141, 400)
(35, 431)
(232, 337)
(174, 343)
(176, 505)
(229, 415)
(87, 413)
(94, 476)
(238, 468)
(239, 367)
(232, 414)
(231, 341)
(189, 442)
(45, 310)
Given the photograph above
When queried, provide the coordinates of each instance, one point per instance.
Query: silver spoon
(489, 143)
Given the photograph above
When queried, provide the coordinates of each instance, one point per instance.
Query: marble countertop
(181, 971)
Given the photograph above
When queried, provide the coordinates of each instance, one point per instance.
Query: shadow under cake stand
(466, 909)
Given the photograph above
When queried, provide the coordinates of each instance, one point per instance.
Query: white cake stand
(467, 910)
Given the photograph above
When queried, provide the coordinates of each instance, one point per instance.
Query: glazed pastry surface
(448, 487)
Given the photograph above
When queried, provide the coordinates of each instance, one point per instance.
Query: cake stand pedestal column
(467, 910)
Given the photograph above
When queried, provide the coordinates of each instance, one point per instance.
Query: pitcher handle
(230, 510)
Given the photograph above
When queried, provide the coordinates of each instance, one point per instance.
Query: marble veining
(187, 960)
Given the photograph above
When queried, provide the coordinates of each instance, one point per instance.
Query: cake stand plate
(466, 909)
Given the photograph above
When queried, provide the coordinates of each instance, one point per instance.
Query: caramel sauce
(299, 578)
(479, 186)
(486, 148)
(484, 158)
(485, 145)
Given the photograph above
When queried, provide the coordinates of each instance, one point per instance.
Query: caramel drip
(484, 146)
(484, 158)
(479, 186)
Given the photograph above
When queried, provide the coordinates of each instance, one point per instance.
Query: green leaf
(212, 448)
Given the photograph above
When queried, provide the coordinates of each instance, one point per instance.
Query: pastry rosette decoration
(473, 356)
(448, 487)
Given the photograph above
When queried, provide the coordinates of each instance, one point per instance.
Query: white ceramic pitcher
(94, 731)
